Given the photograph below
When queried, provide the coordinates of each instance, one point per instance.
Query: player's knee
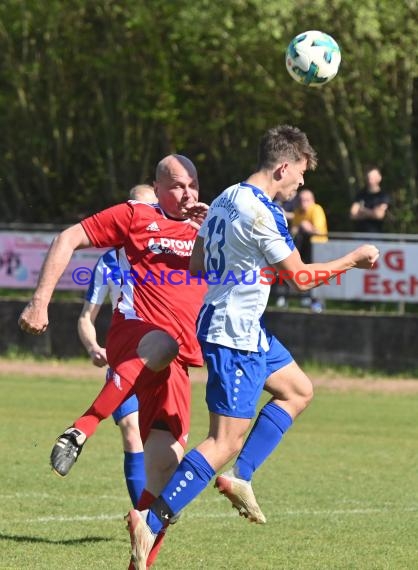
(132, 441)
(170, 465)
(304, 396)
(158, 349)
(130, 436)
(165, 465)
(307, 393)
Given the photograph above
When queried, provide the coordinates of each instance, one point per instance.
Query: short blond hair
(143, 193)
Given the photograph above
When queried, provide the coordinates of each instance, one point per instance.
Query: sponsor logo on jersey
(172, 246)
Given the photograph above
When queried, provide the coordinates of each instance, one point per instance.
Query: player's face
(177, 189)
(291, 178)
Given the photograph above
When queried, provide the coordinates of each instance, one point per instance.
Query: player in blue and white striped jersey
(244, 233)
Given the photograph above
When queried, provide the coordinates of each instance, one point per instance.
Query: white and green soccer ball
(313, 58)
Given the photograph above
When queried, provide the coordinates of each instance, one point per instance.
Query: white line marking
(206, 515)
(12, 497)
(56, 519)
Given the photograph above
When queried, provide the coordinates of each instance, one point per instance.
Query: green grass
(319, 369)
(340, 493)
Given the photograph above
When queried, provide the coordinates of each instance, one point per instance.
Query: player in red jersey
(151, 340)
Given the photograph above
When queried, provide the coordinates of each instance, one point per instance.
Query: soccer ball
(313, 58)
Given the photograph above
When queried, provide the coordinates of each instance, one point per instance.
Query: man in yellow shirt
(309, 225)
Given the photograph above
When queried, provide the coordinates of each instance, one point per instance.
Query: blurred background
(94, 93)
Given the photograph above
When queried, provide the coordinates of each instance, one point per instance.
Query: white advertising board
(394, 277)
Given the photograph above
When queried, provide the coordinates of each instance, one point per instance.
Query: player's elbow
(295, 287)
(303, 287)
(300, 282)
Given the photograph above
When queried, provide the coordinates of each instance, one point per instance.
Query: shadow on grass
(66, 542)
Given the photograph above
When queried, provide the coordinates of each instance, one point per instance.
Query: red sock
(109, 399)
(152, 556)
(145, 502)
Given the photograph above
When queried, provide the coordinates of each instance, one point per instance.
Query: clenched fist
(365, 256)
(34, 318)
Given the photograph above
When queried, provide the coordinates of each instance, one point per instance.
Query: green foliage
(95, 93)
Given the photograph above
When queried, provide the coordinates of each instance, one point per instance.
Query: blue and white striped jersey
(244, 233)
(106, 280)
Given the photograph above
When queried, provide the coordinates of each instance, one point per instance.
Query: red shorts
(164, 401)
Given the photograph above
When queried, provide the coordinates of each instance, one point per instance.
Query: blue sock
(134, 475)
(191, 477)
(268, 430)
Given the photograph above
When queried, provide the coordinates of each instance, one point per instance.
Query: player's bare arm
(87, 334)
(197, 259)
(362, 257)
(34, 317)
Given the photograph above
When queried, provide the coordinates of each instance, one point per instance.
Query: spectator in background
(288, 206)
(309, 225)
(370, 206)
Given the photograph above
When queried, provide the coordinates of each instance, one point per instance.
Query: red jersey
(154, 261)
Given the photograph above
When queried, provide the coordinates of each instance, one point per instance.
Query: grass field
(340, 493)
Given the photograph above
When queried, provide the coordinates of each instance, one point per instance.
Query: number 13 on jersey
(214, 246)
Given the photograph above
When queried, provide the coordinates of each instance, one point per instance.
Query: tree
(94, 94)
